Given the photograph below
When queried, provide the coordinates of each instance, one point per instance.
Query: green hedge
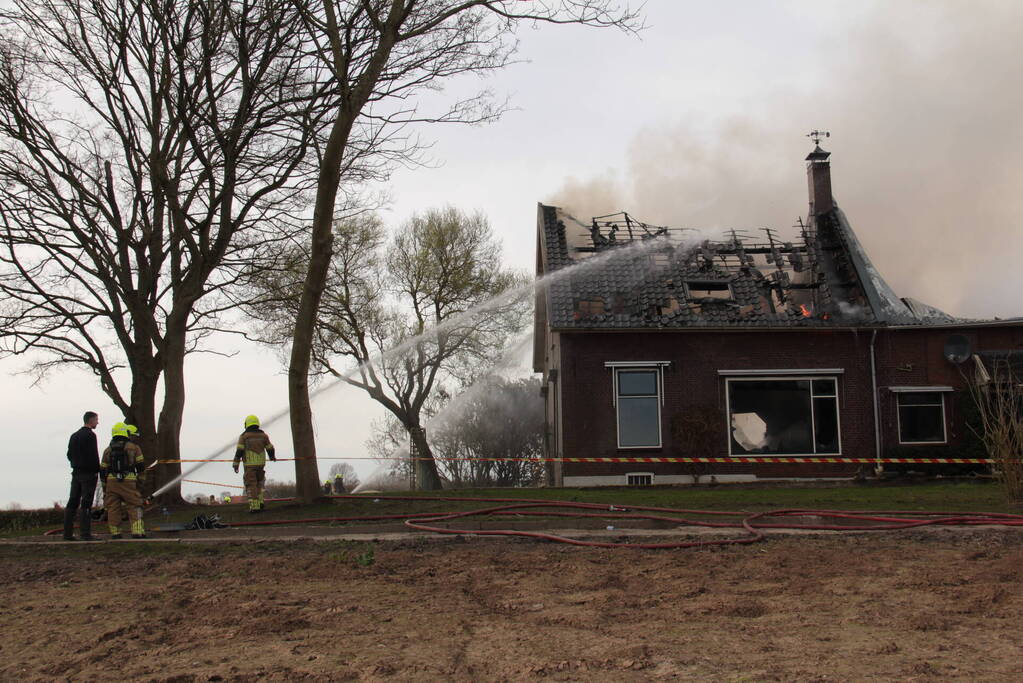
(22, 520)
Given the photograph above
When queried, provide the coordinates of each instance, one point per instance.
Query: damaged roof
(670, 279)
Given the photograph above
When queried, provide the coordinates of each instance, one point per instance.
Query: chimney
(818, 177)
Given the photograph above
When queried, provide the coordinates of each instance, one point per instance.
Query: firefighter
(120, 466)
(326, 487)
(254, 446)
(133, 436)
(339, 484)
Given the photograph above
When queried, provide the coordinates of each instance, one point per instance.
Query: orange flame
(804, 310)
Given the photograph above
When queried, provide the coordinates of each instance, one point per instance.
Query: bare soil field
(900, 606)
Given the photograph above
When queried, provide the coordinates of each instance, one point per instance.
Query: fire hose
(752, 525)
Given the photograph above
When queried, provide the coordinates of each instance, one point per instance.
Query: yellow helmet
(119, 429)
(251, 421)
(132, 429)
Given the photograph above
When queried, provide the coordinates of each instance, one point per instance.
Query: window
(588, 307)
(637, 399)
(783, 416)
(639, 479)
(921, 417)
(706, 289)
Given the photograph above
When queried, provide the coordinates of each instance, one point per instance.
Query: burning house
(668, 358)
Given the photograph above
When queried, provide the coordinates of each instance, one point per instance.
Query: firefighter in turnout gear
(339, 484)
(254, 447)
(326, 487)
(120, 467)
(133, 436)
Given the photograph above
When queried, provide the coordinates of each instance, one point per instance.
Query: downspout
(878, 466)
(552, 378)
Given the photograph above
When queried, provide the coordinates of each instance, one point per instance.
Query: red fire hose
(750, 524)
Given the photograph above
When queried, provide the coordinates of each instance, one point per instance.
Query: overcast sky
(699, 122)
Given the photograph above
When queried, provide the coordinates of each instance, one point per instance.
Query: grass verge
(932, 496)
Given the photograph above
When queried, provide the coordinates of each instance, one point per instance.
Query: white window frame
(940, 391)
(656, 367)
(763, 376)
(639, 474)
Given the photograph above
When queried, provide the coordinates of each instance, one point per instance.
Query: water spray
(453, 407)
(631, 249)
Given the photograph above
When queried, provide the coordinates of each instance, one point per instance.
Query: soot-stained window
(587, 307)
(922, 417)
(791, 416)
(703, 289)
(637, 397)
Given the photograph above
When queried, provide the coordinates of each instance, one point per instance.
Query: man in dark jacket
(83, 454)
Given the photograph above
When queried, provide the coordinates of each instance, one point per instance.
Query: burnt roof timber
(850, 277)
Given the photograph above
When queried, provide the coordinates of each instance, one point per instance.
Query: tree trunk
(142, 414)
(427, 476)
(169, 427)
(321, 249)
(307, 476)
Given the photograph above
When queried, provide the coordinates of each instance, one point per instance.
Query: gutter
(878, 467)
(1007, 322)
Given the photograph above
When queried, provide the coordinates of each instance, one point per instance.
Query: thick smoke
(924, 103)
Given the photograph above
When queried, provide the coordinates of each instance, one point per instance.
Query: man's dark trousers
(83, 490)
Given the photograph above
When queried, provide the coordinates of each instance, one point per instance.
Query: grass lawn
(953, 496)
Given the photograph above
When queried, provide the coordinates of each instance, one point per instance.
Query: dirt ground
(900, 606)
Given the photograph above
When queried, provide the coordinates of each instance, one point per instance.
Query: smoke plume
(923, 101)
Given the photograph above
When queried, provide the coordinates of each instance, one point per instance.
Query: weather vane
(816, 136)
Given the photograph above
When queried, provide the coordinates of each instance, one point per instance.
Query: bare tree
(997, 390)
(382, 54)
(347, 472)
(380, 299)
(495, 438)
(183, 156)
(388, 442)
(487, 433)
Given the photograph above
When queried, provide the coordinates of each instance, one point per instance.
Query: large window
(638, 403)
(783, 416)
(921, 417)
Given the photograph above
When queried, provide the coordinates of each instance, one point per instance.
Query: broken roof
(670, 279)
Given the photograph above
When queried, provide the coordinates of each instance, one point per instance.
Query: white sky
(698, 122)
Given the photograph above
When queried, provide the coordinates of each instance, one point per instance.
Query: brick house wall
(904, 357)
(915, 357)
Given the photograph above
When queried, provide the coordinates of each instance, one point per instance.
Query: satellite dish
(957, 348)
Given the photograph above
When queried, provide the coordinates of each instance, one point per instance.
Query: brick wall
(904, 358)
(915, 357)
